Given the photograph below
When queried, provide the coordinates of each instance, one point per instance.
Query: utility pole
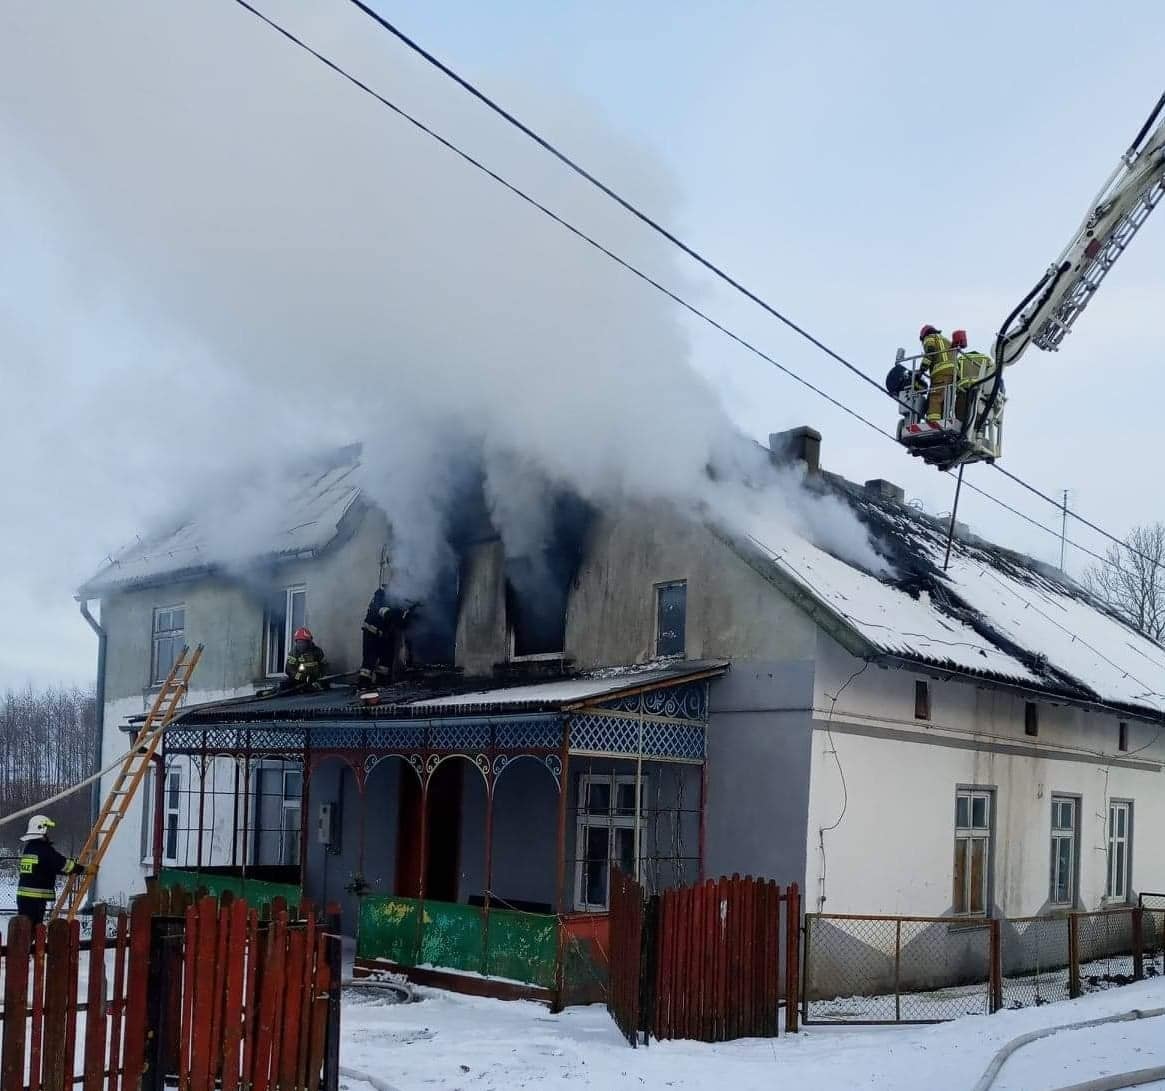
(1063, 528)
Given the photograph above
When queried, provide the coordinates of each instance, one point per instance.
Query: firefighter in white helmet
(40, 864)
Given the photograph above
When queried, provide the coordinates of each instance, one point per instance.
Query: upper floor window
(1122, 736)
(921, 700)
(1031, 718)
(286, 612)
(169, 640)
(671, 617)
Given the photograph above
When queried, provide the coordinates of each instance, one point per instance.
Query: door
(443, 834)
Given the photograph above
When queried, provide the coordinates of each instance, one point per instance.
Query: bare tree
(1132, 581)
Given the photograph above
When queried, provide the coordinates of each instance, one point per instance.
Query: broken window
(1031, 718)
(1064, 831)
(286, 612)
(535, 608)
(972, 850)
(1122, 736)
(606, 835)
(921, 700)
(169, 640)
(671, 610)
(1120, 834)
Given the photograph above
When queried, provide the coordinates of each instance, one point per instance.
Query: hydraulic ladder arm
(126, 784)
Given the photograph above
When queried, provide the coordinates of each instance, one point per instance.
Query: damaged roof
(450, 694)
(993, 613)
(310, 516)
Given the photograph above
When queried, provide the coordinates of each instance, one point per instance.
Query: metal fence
(887, 969)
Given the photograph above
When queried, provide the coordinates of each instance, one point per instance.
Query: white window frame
(611, 821)
(1060, 833)
(173, 814)
(150, 788)
(290, 804)
(274, 663)
(1118, 844)
(158, 676)
(965, 837)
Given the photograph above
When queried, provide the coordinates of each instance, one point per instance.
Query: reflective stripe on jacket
(40, 864)
(939, 358)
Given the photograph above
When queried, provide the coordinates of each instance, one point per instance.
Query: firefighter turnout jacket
(40, 864)
(305, 662)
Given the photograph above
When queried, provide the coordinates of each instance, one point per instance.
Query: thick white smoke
(245, 259)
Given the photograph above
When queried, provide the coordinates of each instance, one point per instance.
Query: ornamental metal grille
(602, 733)
(686, 702)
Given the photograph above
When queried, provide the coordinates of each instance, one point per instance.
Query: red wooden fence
(230, 999)
(625, 973)
(711, 962)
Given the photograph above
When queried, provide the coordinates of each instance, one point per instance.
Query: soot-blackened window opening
(671, 617)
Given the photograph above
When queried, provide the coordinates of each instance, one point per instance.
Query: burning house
(677, 691)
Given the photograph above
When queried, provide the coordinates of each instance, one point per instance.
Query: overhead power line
(628, 266)
(691, 251)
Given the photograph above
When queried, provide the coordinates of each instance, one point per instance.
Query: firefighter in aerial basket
(40, 864)
(941, 363)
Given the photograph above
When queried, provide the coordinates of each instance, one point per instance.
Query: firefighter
(40, 864)
(306, 661)
(941, 363)
(381, 638)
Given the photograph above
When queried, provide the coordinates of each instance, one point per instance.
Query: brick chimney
(885, 490)
(797, 445)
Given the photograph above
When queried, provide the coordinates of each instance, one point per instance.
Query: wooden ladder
(126, 784)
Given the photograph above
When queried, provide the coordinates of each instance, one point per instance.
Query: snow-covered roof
(303, 515)
(993, 612)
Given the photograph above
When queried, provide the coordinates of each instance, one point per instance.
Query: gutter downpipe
(99, 700)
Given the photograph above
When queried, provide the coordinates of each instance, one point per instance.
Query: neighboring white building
(896, 738)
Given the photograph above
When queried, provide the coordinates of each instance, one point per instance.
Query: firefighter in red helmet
(941, 363)
(305, 661)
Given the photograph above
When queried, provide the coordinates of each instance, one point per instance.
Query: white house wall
(882, 792)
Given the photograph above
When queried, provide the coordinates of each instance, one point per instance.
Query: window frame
(171, 823)
(271, 668)
(158, 636)
(1126, 842)
(1071, 834)
(1122, 736)
(612, 821)
(966, 836)
(290, 804)
(922, 707)
(1031, 719)
(149, 787)
(659, 589)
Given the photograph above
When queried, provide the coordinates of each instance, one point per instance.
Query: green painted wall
(255, 892)
(521, 946)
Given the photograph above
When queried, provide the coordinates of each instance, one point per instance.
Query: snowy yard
(451, 1042)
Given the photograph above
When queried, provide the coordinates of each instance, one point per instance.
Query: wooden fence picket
(16, 967)
(95, 1014)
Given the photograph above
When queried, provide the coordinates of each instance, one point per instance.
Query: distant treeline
(47, 743)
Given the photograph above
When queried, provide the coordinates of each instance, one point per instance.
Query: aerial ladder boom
(1118, 212)
(126, 784)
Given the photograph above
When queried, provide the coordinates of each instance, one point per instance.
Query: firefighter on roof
(381, 638)
(940, 361)
(305, 662)
(40, 864)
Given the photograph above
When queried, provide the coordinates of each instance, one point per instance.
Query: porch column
(703, 838)
(489, 873)
(304, 806)
(201, 803)
(423, 837)
(246, 809)
(563, 791)
(159, 812)
(235, 817)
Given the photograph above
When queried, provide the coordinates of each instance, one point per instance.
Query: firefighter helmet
(303, 633)
(38, 826)
(927, 330)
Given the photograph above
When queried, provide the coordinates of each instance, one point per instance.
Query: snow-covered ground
(456, 1042)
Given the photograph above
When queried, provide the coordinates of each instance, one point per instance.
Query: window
(286, 612)
(1031, 718)
(173, 809)
(605, 835)
(1120, 822)
(1064, 832)
(291, 824)
(921, 701)
(972, 850)
(149, 787)
(1122, 736)
(671, 609)
(169, 639)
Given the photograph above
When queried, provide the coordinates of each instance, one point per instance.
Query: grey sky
(865, 168)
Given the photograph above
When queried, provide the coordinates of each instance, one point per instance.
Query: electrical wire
(664, 232)
(675, 297)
